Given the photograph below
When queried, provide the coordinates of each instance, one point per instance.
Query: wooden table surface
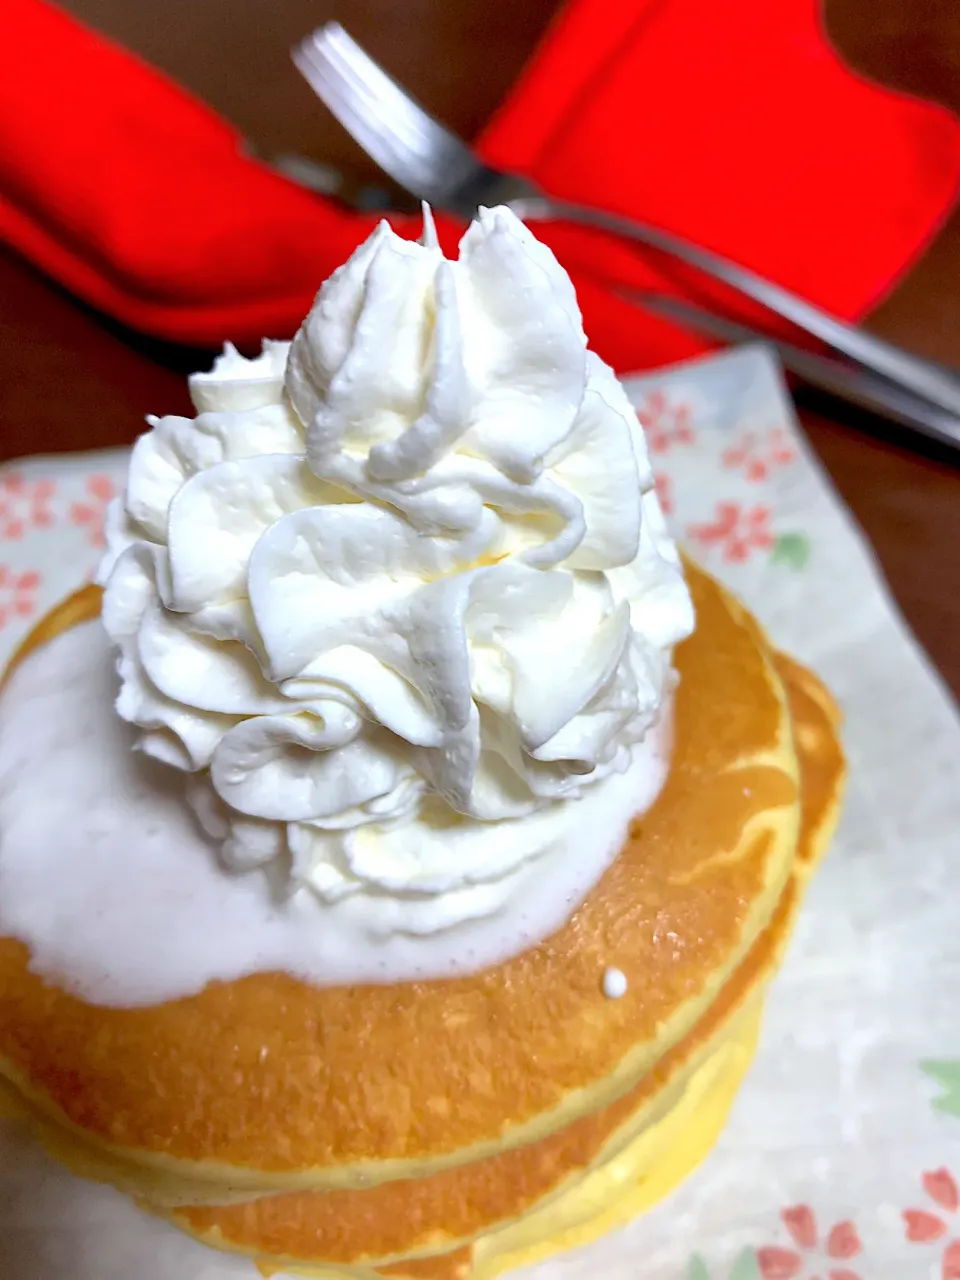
(70, 380)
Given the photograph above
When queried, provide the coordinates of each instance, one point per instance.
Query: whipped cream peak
(237, 383)
(401, 592)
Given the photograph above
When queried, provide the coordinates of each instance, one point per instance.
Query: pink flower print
(24, 504)
(664, 486)
(18, 594)
(950, 1267)
(779, 1264)
(842, 1243)
(942, 1189)
(802, 1225)
(91, 513)
(665, 422)
(758, 456)
(923, 1226)
(736, 531)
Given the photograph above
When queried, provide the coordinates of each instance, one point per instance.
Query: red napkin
(743, 133)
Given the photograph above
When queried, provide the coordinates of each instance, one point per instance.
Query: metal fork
(430, 162)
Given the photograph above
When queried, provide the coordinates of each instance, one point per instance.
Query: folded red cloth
(745, 134)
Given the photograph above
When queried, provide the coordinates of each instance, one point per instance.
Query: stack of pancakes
(453, 1129)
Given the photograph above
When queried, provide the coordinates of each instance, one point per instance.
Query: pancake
(593, 1166)
(182, 1090)
(816, 729)
(598, 1173)
(514, 1208)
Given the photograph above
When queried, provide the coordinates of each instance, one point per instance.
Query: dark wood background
(70, 380)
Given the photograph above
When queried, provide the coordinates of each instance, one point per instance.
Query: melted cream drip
(120, 897)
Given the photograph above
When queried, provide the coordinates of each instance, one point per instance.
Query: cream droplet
(614, 984)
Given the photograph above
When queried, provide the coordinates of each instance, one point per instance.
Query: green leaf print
(792, 549)
(946, 1072)
(745, 1267)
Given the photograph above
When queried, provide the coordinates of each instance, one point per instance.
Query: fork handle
(848, 382)
(933, 384)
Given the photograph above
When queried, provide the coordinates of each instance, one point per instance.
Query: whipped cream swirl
(401, 591)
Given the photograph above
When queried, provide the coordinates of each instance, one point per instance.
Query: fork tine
(418, 128)
(367, 74)
(434, 154)
(408, 144)
(362, 116)
(336, 88)
(375, 91)
(354, 113)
